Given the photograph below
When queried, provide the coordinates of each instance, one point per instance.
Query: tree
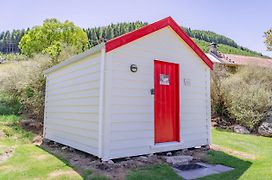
(268, 39)
(51, 37)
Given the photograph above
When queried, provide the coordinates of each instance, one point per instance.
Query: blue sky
(242, 20)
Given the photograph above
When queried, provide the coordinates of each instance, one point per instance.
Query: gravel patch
(117, 168)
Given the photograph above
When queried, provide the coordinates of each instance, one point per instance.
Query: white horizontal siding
(88, 78)
(88, 117)
(137, 101)
(72, 100)
(129, 143)
(130, 135)
(70, 142)
(73, 109)
(131, 126)
(74, 94)
(77, 66)
(84, 125)
(132, 105)
(75, 101)
(75, 88)
(137, 117)
(79, 134)
(89, 70)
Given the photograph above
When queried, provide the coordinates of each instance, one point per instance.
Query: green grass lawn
(31, 162)
(255, 146)
(259, 167)
(161, 172)
(28, 161)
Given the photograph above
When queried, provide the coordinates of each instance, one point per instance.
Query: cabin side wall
(130, 105)
(72, 104)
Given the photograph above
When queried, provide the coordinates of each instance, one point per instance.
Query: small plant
(12, 57)
(9, 125)
(9, 105)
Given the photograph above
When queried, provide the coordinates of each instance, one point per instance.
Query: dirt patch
(2, 134)
(5, 167)
(197, 153)
(118, 168)
(41, 157)
(62, 173)
(233, 152)
(32, 125)
(37, 140)
(7, 154)
(222, 123)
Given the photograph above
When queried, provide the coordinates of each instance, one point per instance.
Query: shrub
(24, 80)
(243, 96)
(249, 93)
(218, 97)
(9, 105)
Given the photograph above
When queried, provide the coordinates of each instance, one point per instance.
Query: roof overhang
(76, 58)
(213, 58)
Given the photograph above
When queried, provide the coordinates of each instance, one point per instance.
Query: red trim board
(148, 29)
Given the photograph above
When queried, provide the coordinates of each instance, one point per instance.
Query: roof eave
(75, 58)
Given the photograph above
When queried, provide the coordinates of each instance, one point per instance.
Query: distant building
(235, 60)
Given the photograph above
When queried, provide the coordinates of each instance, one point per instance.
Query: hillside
(226, 49)
(225, 44)
(9, 40)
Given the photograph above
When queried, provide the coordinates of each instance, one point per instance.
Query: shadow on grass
(156, 171)
(218, 157)
(65, 156)
(153, 172)
(150, 171)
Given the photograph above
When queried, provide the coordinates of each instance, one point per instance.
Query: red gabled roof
(148, 29)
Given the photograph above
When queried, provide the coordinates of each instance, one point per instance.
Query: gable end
(134, 35)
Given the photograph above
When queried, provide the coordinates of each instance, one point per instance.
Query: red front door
(166, 85)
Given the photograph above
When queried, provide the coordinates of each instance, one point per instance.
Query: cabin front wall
(129, 105)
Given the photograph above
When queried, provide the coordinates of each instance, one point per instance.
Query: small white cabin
(144, 92)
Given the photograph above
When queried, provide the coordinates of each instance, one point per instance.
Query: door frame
(178, 101)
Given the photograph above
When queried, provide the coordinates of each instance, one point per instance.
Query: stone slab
(221, 168)
(179, 160)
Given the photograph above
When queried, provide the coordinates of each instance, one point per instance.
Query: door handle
(152, 91)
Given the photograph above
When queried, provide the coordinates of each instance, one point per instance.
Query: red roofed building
(234, 60)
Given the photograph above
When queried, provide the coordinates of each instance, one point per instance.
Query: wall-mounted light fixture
(133, 68)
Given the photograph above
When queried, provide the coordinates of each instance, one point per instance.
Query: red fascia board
(136, 34)
(148, 29)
